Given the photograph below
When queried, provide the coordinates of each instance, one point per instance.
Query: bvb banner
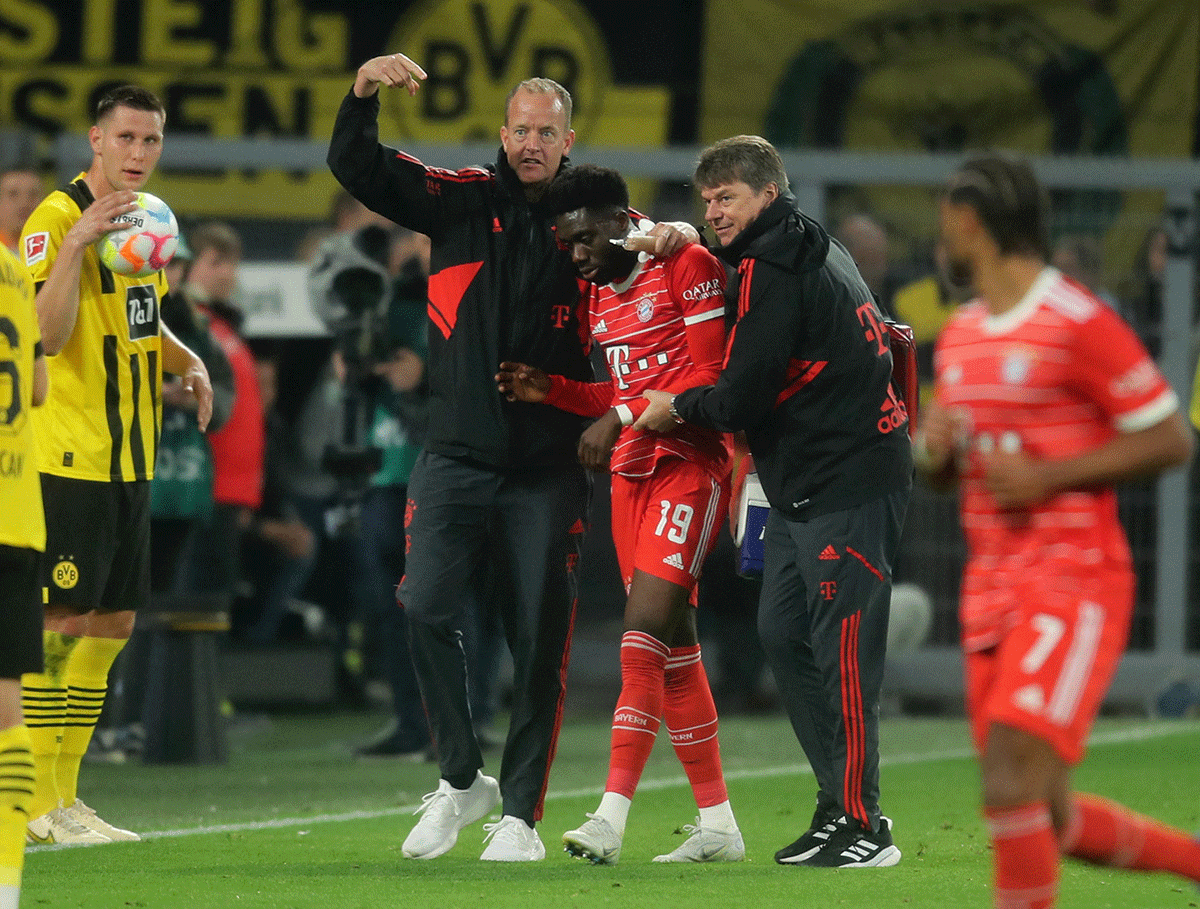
(1052, 76)
(280, 68)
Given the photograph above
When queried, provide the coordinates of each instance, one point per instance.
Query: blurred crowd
(291, 508)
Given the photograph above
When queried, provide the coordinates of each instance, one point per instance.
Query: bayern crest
(645, 309)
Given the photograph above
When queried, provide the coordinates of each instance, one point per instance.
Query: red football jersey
(660, 328)
(1057, 375)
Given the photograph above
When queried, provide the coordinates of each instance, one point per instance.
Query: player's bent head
(747, 159)
(541, 86)
(1010, 202)
(598, 189)
(131, 96)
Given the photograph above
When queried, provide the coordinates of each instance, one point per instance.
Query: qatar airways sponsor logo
(1136, 381)
(703, 291)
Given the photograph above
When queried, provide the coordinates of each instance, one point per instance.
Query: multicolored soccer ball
(146, 243)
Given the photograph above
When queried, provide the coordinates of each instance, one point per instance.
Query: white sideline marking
(1112, 737)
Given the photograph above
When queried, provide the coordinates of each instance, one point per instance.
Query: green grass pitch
(293, 822)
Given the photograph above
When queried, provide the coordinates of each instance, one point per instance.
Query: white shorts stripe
(1078, 664)
(706, 530)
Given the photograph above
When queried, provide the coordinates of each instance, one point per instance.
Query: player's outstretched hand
(518, 382)
(390, 69)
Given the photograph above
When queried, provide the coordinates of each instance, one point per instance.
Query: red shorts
(1050, 672)
(667, 523)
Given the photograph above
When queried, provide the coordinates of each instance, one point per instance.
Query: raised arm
(58, 296)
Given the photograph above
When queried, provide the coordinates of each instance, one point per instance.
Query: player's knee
(1017, 769)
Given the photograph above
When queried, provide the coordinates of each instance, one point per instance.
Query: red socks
(691, 719)
(1026, 856)
(1105, 833)
(639, 708)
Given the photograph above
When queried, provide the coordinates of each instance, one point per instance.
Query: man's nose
(710, 211)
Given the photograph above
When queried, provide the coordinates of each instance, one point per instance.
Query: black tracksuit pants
(460, 515)
(823, 618)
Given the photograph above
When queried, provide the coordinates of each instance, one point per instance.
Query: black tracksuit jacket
(500, 289)
(808, 371)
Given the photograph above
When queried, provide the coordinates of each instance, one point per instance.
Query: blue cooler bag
(748, 531)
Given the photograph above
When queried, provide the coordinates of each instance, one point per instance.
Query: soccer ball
(146, 243)
(911, 618)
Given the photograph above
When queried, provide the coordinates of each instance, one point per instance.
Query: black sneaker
(392, 747)
(852, 846)
(824, 824)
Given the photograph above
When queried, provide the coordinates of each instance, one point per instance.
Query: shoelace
(491, 830)
(71, 825)
(504, 829)
(429, 799)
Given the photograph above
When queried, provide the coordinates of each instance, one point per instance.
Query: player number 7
(1050, 630)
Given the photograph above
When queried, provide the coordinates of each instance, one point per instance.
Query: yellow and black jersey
(104, 413)
(21, 520)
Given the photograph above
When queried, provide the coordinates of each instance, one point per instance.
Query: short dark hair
(750, 159)
(133, 96)
(586, 186)
(1004, 191)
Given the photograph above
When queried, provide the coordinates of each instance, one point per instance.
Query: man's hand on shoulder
(664, 238)
(390, 69)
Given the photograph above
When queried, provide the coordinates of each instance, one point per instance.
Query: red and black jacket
(500, 289)
(808, 371)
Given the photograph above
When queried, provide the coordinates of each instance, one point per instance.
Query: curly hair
(586, 186)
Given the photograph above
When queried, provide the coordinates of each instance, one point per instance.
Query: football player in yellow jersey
(96, 440)
(22, 537)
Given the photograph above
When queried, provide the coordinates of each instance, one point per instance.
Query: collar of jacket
(782, 235)
(511, 183)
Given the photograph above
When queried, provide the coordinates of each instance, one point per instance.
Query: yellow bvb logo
(474, 53)
(66, 575)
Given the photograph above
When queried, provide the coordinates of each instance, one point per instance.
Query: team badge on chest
(645, 309)
(1016, 366)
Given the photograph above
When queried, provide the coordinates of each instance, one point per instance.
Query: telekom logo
(618, 364)
(561, 315)
(868, 317)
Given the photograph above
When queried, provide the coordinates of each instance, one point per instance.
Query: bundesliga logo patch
(36, 246)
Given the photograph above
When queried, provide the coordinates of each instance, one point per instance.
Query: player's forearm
(177, 357)
(1128, 457)
(58, 297)
(587, 399)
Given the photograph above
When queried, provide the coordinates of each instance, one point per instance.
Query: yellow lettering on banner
(476, 52)
(28, 32)
(245, 35)
(162, 20)
(99, 17)
(309, 41)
